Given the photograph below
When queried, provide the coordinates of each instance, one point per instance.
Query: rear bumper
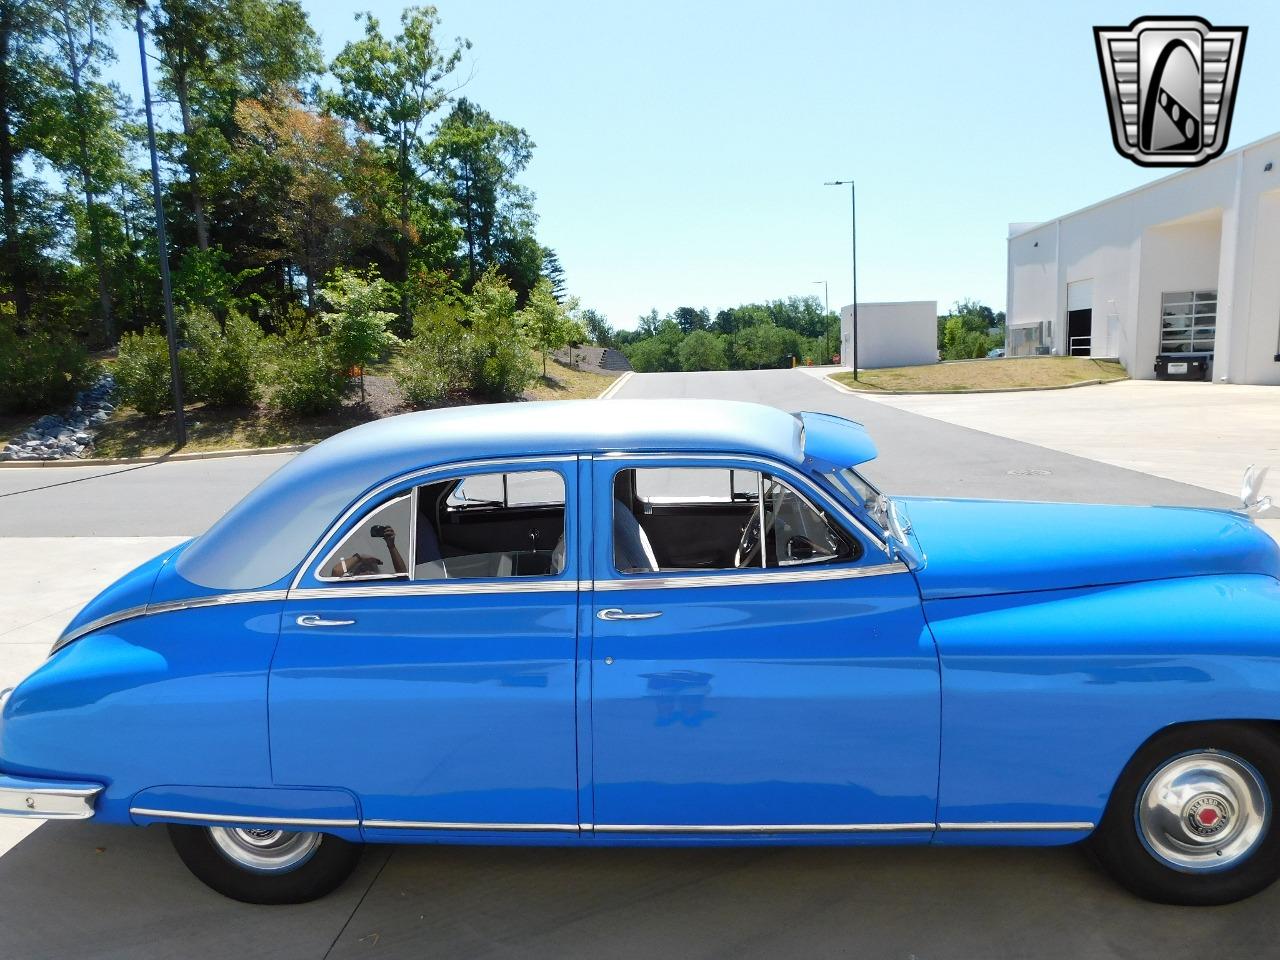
(47, 799)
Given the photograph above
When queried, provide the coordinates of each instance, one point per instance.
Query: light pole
(826, 319)
(853, 210)
(162, 240)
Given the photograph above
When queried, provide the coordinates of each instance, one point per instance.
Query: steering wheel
(748, 551)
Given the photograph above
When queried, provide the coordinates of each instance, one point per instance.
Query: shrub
(142, 372)
(357, 326)
(501, 361)
(39, 371)
(434, 363)
(223, 367)
(307, 377)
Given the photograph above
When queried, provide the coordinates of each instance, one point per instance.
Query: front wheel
(1192, 819)
(265, 865)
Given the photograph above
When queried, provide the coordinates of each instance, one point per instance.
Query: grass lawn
(1005, 374)
(566, 383)
(130, 434)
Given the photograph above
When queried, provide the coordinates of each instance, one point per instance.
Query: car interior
(665, 519)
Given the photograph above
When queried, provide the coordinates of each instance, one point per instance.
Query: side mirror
(801, 548)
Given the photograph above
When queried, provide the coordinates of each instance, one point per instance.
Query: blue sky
(682, 147)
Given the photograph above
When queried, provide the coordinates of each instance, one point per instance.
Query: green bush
(222, 367)
(357, 326)
(142, 372)
(434, 364)
(500, 358)
(39, 372)
(307, 377)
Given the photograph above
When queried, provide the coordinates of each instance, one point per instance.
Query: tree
(357, 325)
(391, 87)
(965, 333)
(762, 345)
(501, 362)
(21, 62)
(554, 272)
(547, 323)
(599, 331)
(82, 141)
(689, 319)
(702, 350)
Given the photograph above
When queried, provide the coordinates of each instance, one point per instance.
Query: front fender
(1046, 695)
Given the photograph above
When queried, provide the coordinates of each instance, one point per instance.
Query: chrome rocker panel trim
(764, 828)
(470, 827)
(47, 799)
(997, 825)
(232, 818)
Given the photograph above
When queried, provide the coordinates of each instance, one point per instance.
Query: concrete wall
(902, 334)
(1211, 227)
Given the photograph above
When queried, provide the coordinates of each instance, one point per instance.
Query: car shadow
(93, 891)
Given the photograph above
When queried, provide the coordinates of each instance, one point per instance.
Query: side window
(491, 525)
(376, 549)
(685, 519)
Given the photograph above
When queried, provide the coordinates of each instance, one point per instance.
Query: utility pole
(162, 240)
(853, 211)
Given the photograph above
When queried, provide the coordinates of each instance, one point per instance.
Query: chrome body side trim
(789, 575)
(1020, 825)
(765, 828)
(230, 818)
(472, 827)
(168, 606)
(46, 799)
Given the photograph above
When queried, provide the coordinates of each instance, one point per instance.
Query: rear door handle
(312, 620)
(613, 613)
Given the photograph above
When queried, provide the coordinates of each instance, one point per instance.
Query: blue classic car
(658, 623)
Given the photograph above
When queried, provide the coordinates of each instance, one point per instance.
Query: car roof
(264, 537)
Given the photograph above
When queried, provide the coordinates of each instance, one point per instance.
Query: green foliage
(764, 345)
(38, 371)
(222, 366)
(142, 372)
(358, 333)
(307, 377)
(203, 280)
(500, 360)
(549, 324)
(964, 333)
(435, 364)
(702, 350)
(599, 331)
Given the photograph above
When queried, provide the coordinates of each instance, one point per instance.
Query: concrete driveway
(88, 890)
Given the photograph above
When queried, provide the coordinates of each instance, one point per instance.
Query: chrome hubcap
(264, 850)
(1203, 811)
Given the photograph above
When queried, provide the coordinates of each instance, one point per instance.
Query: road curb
(165, 458)
(936, 393)
(609, 391)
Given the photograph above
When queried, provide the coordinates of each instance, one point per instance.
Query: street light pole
(853, 211)
(162, 240)
(826, 319)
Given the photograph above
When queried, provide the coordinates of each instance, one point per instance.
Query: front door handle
(311, 620)
(613, 613)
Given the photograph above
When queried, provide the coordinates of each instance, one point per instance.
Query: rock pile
(69, 436)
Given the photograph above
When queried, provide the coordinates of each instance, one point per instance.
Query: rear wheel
(263, 864)
(1192, 820)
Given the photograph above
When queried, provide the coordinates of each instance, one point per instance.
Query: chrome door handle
(613, 613)
(311, 620)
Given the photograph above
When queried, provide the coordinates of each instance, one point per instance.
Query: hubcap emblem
(1207, 815)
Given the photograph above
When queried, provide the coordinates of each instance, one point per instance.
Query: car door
(432, 672)
(798, 694)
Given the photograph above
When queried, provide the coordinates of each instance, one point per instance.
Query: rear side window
(479, 527)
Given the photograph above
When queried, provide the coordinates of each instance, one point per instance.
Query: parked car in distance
(665, 622)
(995, 353)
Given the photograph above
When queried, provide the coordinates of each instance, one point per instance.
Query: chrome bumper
(47, 799)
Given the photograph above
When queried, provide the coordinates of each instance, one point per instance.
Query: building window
(1188, 321)
(1030, 339)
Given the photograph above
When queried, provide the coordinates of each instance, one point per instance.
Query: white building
(902, 334)
(1185, 268)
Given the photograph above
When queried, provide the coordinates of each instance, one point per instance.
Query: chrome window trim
(777, 466)
(416, 477)
(232, 818)
(1020, 825)
(732, 579)
(437, 588)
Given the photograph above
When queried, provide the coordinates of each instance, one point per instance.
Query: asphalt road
(918, 456)
(90, 890)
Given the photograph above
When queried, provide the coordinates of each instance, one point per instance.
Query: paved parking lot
(88, 890)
